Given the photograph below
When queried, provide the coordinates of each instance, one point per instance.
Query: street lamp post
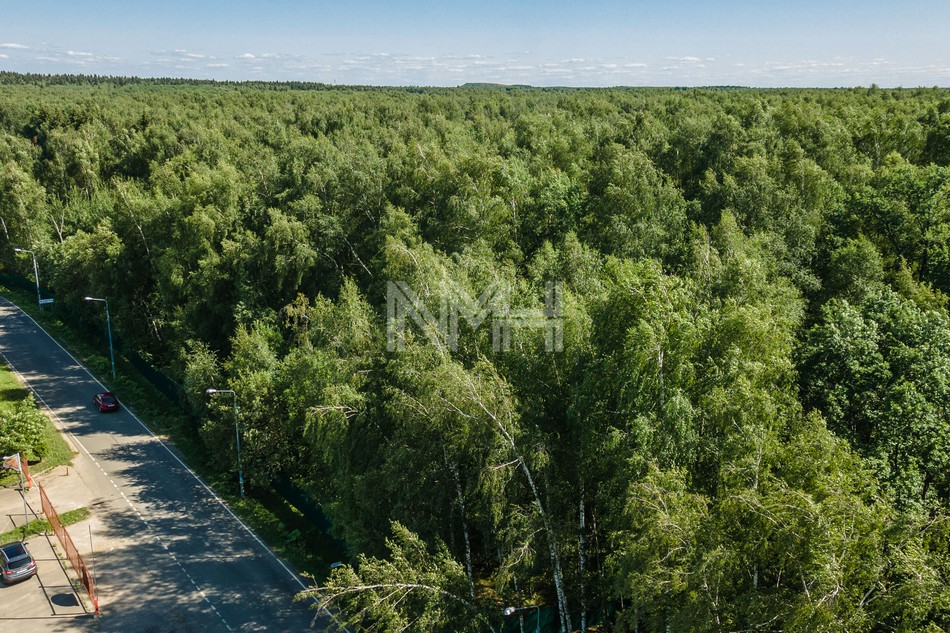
(36, 274)
(237, 434)
(109, 330)
(537, 622)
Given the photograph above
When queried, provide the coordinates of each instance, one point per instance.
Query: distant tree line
(748, 427)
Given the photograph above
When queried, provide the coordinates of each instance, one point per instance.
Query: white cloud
(77, 58)
(309, 66)
(505, 67)
(835, 71)
(13, 45)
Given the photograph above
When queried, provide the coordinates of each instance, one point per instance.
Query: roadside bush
(22, 431)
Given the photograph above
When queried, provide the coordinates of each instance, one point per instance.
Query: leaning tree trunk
(563, 611)
(465, 532)
(582, 559)
(552, 547)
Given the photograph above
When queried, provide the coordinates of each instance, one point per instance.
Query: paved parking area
(48, 600)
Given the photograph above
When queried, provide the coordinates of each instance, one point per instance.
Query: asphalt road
(171, 557)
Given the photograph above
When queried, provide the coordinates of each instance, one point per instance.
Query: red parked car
(106, 402)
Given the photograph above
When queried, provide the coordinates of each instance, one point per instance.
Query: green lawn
(12, 392)
(38, 526)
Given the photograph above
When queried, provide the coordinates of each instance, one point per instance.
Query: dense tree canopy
(719, 398)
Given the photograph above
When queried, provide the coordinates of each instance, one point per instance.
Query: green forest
(744, 426)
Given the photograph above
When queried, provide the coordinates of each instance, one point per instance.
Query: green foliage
(881, 372)
(415, 590)
(24, 430)
(746, 427)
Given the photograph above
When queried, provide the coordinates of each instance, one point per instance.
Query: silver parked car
(16, 563)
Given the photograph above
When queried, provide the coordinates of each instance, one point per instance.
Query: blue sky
(447, 43)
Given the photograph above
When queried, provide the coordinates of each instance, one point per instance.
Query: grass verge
(58, 451)
(38, 526)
